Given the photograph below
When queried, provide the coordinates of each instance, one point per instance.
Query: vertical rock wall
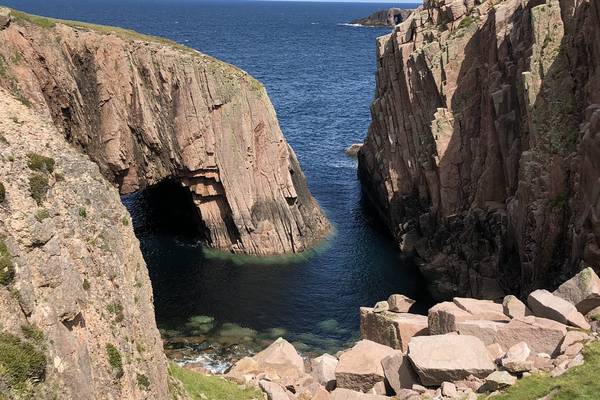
(479, 155)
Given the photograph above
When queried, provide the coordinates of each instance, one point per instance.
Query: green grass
(42, 214)
(38, 187)
(40, 163)
(115, 360)
(7, 269)
(20, 361)
(466, 22)
(200, 386)
(581, 383)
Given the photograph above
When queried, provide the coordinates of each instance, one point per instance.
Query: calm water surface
(320, 76)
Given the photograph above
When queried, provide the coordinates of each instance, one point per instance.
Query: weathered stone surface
(85, 267)
(347, 394)
(400, 303)
(381, 306)
(313, 392)
(541, 335)
(496, 351)
(496, 168)
(4, 16)
(546, 305)
(146, 111)
(280, 362)
(352, 151)
(448, 358)
(514, 308)
(323, 370)
(573, 337)
(444, 318)
(583, 290)
(499, 380)
(275, 391)
(449, 389)
(399, 372)
(391, 329)
(516, 358)
(482, 309)
(486, 331)
(360, 367)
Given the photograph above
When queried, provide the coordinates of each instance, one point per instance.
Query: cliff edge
(146, 109)
(482, 156)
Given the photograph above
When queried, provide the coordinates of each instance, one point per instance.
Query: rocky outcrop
(77, 283)
(483, 149)
(389, 17)
(147, 110)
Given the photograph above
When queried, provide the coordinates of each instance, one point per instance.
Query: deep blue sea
(320, 76)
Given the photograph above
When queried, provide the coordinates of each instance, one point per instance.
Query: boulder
(323, 370)
(312, 392)
(280, 362)
(391, 329)
(448, 389)
(449, 358)
(499, 380)
(4, 16)
(516, 358)
(381, 306)
(347, 394)
(353, 149)
(360, 367)
(513, 307)
(573, 337)
(482, 309)
(484, 330)
(545, 304)
(398, 372)
(583, 290)
(400, 303)
(541, 335)
(495, 351)
(275, 391)
(444, 318)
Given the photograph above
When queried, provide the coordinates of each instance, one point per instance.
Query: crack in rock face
(147, 110)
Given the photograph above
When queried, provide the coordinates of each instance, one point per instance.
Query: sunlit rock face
(483, 151)
(145, 110)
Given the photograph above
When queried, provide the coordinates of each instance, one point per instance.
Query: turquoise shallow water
(320, 76)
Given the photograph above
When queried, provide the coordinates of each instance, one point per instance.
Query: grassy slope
(200, 387)
(581, 383)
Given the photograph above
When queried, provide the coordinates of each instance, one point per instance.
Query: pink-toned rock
(513, 307)
(482, 309)
(541, 335)
(347, 394)
(274, 391)
(546, 305)
(495, 351)
(391, 329)
(323, 370)
(449, 358)
(573, 337)
(444, 318)
(583, 290)
(484, 330)
(516, 358)
(400, 303)
(312, 392)
(399, 372)
(360, 367)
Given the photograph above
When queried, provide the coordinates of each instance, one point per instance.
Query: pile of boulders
(461, 348)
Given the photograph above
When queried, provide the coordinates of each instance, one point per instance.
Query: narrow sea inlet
(319, 74)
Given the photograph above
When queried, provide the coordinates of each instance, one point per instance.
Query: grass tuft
(38, 187)
(40, 163)
(7, 269)
(115, 360)
(20, 361)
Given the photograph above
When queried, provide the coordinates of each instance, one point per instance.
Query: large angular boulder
(275, 391)
(514, 308)
(444, 318)
(544, 304)
(323, 370)
(541, 335)
(360, 367)
(347, 394)
(482, 309)
(485, 330)
(449, 358)
(399, 372)
(516, 358)
(499, 380)
(400, 303)
(280, 362)
(391, 329)
(583, 290)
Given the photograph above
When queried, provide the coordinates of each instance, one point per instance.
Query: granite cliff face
(483, 152)
(146, 110)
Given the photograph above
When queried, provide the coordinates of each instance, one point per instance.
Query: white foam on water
(208, 361)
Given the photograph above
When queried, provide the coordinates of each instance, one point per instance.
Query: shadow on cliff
(511, 161)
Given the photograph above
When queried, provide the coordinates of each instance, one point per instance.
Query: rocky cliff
(389, 17)
(146, 110)
(482, 156)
